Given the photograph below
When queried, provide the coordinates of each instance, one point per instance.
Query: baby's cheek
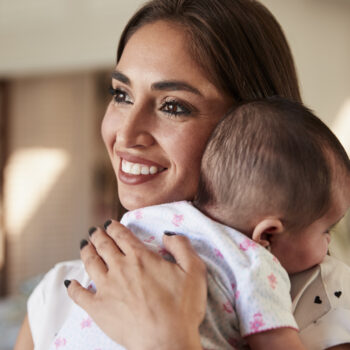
(322, 252)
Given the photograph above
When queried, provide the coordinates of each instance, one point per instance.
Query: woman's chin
(152, 193)
(132, 201)
(129, 205)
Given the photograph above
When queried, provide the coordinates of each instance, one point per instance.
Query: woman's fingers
(107, 249)
(184, 254)
(118, 241)
(105, 246)
(80, 295)
(127, 242)
(94, 264)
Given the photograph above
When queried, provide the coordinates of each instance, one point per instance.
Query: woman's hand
(143, 301)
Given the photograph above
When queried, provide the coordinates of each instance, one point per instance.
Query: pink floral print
(177, 219)
(86, 323)
(138, 214)
(60, 342)
(247, 244)
(272, 280)
(235, 292)
(218, 254)
(150, 239)
(228, 307)
(257, 322)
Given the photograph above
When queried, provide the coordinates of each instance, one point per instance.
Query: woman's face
(162, 112)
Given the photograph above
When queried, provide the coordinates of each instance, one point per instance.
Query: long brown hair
(238, 43)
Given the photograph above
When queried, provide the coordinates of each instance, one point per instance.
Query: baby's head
(275, 172)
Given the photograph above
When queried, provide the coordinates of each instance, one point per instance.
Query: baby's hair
(270, 156)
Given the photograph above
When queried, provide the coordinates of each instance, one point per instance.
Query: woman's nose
(135, 129)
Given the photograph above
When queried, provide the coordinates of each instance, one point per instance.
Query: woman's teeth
(139, 169)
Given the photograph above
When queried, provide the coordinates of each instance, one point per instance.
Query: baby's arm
(265, 307)
(276, 339)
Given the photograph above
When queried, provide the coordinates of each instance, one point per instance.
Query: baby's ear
(265, 229)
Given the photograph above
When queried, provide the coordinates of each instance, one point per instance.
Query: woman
(180, 65)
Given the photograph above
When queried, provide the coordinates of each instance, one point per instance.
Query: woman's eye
(175, 108)
(120, 96)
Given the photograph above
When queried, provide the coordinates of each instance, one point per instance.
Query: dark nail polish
(83, 243)
(107, 223)
(67, 283)
(169, 233)
(92, 230)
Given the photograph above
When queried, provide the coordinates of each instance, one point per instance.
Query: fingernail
(83, 243)
(169, 233)
(107, 223)
(67, 283)
(92, 230)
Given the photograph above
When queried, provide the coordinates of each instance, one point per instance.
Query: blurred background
(55, 179)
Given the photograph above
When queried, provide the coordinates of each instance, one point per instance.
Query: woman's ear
(265, 228)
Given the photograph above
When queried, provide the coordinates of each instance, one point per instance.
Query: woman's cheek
(107, 132)
(190, 154)
(185, 156)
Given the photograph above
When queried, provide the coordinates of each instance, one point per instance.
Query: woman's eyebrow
(166, 85)
(121, 77)
(175, 85)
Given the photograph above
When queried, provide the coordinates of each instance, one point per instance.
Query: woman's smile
(135, 170)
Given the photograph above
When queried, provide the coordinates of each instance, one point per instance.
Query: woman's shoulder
(50, 299)
(73, 269)
(52, 284)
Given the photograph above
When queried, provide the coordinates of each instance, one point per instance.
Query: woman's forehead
(160, 50)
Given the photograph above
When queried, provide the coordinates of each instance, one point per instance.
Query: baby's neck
(221, 215)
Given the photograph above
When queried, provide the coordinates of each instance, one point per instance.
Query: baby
(274, 181)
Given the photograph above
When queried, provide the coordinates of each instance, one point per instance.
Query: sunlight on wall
(341, 125)
(31, 173)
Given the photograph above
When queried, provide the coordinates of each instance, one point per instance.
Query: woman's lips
(134, 170)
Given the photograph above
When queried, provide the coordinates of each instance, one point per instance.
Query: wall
(48, 176)
(46, 36)
(318, 32)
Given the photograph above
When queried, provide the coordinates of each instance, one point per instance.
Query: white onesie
(248, 290)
